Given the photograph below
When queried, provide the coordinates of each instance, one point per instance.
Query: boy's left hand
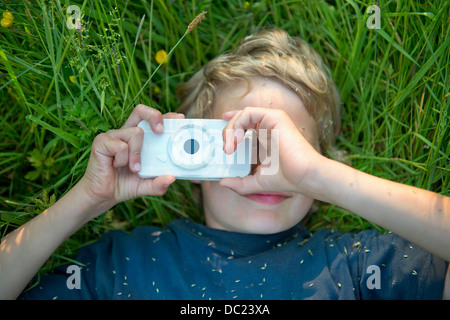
(297, 161)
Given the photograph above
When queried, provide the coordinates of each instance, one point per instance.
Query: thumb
(242, 186)
(157, 186)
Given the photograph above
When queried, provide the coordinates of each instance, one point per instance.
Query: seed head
(196, 21)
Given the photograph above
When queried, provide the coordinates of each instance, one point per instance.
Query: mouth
(268, 198)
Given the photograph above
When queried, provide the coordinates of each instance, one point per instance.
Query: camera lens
(191, 146)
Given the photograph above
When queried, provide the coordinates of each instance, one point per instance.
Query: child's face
(258, 213)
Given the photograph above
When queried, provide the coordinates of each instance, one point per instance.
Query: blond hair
(273, 54)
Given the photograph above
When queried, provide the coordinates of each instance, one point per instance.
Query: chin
(255, 222)
(266, 222)
(262, 213)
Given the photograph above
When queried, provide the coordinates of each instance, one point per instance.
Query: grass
(59, 88)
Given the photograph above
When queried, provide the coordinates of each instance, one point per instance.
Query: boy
(253, 245)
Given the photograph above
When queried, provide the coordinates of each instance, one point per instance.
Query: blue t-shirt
(186, 260)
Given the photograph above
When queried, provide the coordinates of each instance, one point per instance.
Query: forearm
(25, 250)
(421, 216)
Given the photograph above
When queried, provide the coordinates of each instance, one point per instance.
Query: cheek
(300, 206)
(214, 195)
(208, 189)
(219, 206)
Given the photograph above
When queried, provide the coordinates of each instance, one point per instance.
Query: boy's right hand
(111, 174)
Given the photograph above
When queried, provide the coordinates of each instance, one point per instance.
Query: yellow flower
(157, 90)
(160, 56)
(6, 23)
(246, 5)
(7, 19)
(73, 79)
(8, 15)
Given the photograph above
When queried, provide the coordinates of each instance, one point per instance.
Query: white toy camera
(192, 149)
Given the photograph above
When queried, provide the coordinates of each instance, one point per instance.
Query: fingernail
(137, 166)
(160, 127)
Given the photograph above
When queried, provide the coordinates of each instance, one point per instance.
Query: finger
(173, 115)
(229, 135)
(143, 112)
(109, 151)
(241, 120)
(157, 186)
(133, 137)
(251, 118)
(117, 149)
(229, 114)
(232, 139)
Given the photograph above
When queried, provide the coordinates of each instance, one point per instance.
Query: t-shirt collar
(238, 244)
